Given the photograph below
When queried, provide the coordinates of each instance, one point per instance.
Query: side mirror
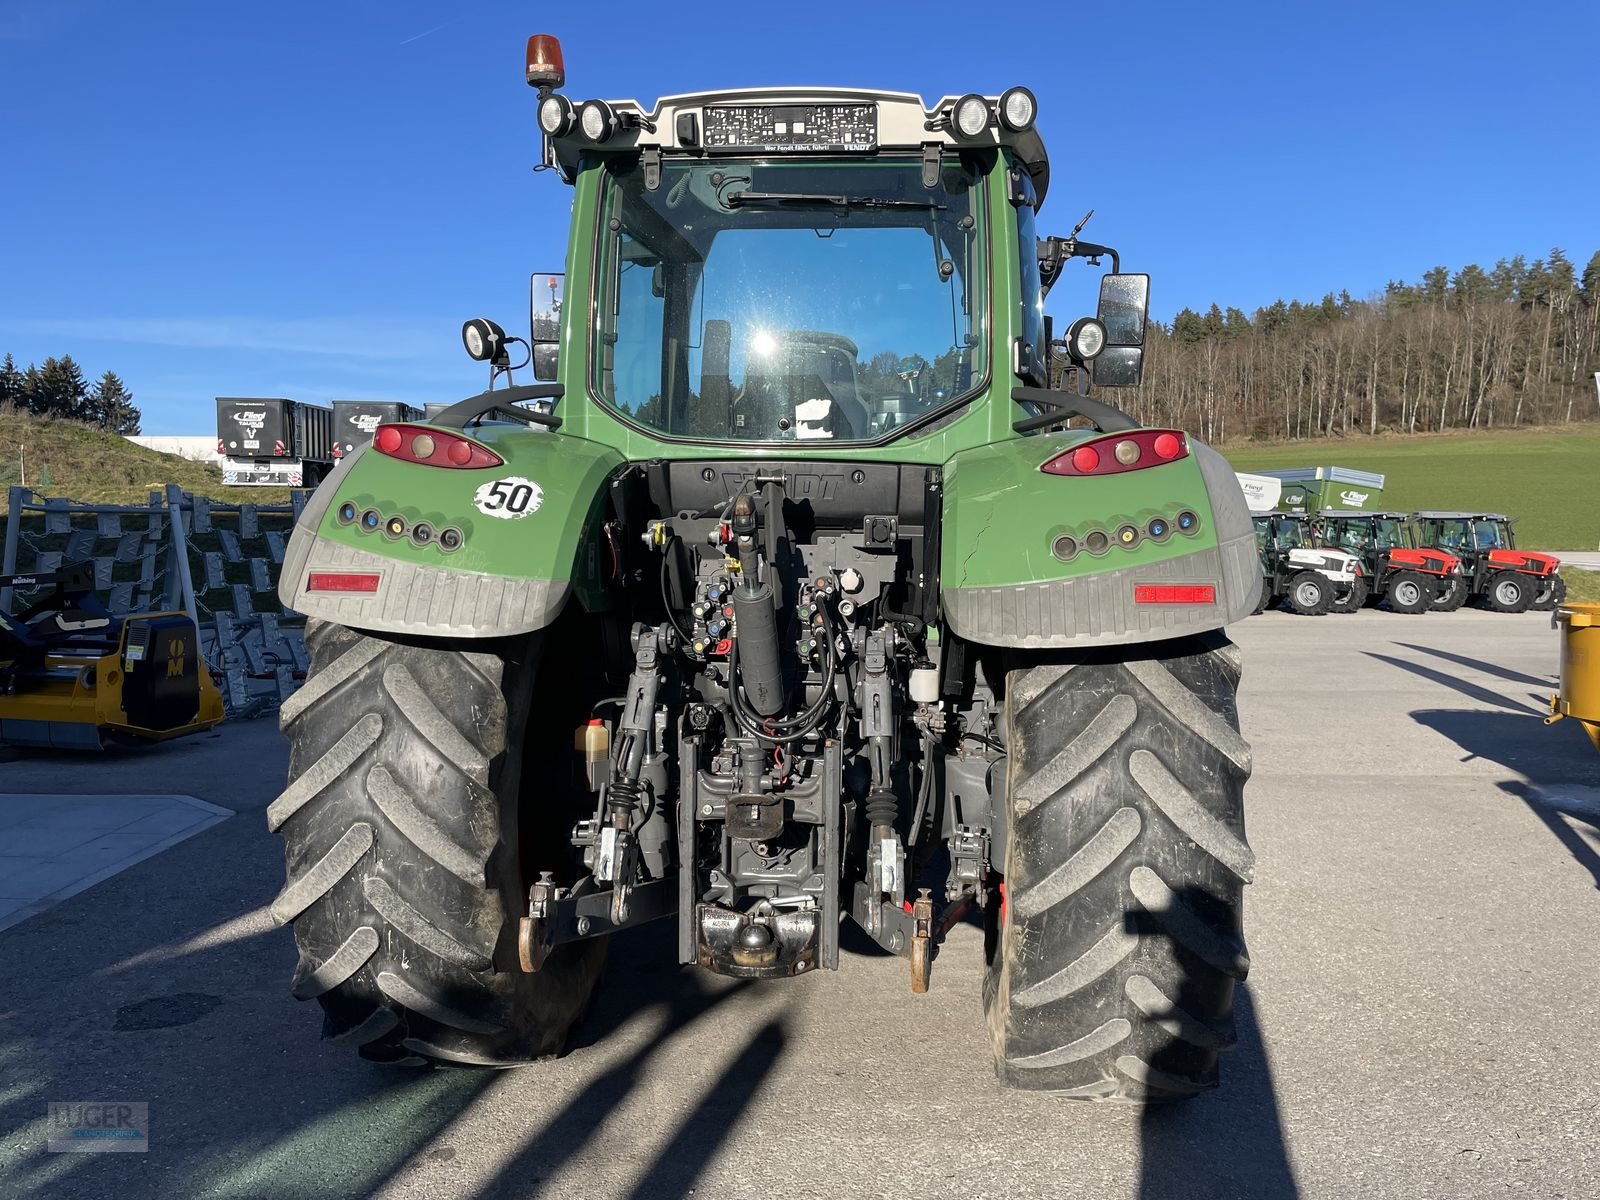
(1124, 305)
(546, 358)
(545, 295)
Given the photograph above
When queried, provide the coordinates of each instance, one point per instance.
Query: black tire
(1310, 594)
(1509, 592)
(1264, 601)
(1352, 600)
(1115, 949)
(1550, 594)
(401, 847)
(1452, 595)
(1408, 592)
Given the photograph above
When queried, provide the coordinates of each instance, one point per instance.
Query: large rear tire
(1452, 595)
(1352, 600)
(1118, 939)
(1310, 594)
(1552, 592)
(1408, 592)
(405, 856)
(1509, 592)
(1264, 600)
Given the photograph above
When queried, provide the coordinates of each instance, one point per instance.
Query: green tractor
(785, 595)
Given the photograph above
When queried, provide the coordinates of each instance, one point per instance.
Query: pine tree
(11, 383)
(1591, 281)
(61, 390)
(110, 406)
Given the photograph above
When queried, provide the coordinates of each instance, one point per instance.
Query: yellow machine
(1579, 696)
(73, 676)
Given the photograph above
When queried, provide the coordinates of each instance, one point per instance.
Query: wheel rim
(1507, 593)
(1307, 595)
(1407, 593)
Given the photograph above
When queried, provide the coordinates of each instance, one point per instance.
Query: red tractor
(1411, 578)
(1493, 571)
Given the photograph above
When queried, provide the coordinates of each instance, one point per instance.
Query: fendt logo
(801, 485)
(250, 422)
(367, 423)
(1354, 498)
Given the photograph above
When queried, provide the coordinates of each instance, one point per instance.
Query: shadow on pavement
(700, 1135)
(1223, 1144)
(244, 1101)
(1552, 758)
(1472, 691)
(687, 997)
(1479, 664)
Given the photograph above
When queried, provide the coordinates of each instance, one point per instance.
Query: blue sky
(306, 199)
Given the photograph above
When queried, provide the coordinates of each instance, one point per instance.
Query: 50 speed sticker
(509, 498)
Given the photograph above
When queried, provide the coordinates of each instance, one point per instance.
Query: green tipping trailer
(1313, 489)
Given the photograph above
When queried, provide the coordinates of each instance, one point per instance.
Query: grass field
(1547, 479)
(1582, 585)
(85, 464)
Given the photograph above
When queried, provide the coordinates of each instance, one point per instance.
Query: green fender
(512, 573)
(1022, 563)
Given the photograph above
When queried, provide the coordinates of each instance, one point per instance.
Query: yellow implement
(1579, 696)
(75, 676)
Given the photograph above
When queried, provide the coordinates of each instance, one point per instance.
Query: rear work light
(1174, 593)
(342, 581)
(433, 447)
(1117, 452)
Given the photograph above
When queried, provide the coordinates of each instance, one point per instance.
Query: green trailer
(1315, 489)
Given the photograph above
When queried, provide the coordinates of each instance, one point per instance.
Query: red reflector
(387, 439)
(341, 581)
(1174, 593)
(1168, 446)
(1086, 458)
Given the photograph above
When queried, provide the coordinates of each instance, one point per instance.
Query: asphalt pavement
(1419, 1020)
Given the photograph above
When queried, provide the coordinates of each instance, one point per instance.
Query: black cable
(666, 602)
(810, 716)
(792, 729)
(924, 790)
(987, 741)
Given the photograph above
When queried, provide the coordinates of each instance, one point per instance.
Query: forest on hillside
(1477, 349)
(57, 388)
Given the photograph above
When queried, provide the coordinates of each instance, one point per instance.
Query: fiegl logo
(367, 423)
(250, 422)
(1354, 498)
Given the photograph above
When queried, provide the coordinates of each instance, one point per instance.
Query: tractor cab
(1496, 574)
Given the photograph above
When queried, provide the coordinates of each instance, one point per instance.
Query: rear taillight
(1118, 452)
(1174, 593)
(433, 447)
(342, 581)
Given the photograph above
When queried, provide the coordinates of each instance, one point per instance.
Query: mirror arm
(457, 415)
(1055, 251)
(1107, 418)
